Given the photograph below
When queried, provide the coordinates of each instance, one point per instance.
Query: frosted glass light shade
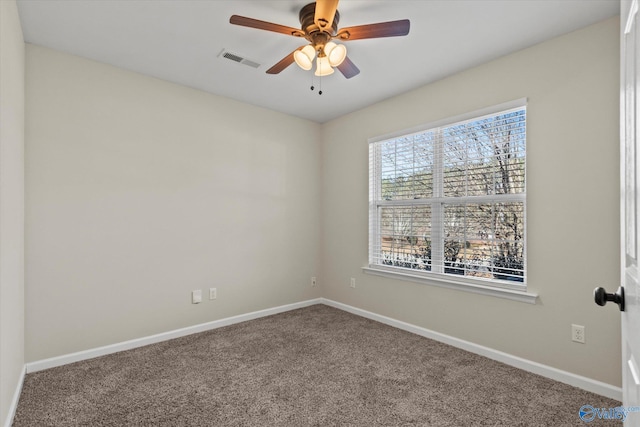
(323, 67)
(304, 57)
(335, 52)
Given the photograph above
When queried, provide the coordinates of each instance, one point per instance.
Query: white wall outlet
(353, 282)
(213, 293)
(196, 297)
(577, 333)
(313, 281)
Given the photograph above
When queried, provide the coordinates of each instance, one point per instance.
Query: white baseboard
(584, 383)
(177, 333)
(14, 401)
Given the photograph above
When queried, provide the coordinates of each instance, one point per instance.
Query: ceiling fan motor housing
(307, 15)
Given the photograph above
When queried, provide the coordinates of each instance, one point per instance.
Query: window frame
(487, 286)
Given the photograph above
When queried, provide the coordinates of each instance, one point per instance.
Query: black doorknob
(601, 297)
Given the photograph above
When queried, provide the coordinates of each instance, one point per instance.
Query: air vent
(233, 57)
(250, 63)
(237, 58)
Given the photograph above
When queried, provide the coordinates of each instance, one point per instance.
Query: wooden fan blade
(264, 25)
(372, 31)
(284, 63)
(348, 68)
(325, 12)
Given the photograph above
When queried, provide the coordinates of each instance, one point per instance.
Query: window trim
(491, 287)
(458, 283)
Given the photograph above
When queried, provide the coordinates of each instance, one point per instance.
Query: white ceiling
(180, 40)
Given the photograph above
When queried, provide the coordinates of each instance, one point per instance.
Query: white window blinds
(450, 200)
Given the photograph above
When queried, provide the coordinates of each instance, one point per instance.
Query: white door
(630, 72)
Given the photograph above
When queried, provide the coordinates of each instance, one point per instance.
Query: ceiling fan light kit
(319, 25)
(332, 55)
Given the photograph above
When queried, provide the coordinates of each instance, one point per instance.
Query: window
(448, 202)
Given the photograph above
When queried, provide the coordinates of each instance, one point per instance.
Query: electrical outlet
(196, 297)
(353, 282)
(213, 293)
(313, 281)
(577, 333)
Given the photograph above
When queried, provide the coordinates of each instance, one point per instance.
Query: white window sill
(451, 283)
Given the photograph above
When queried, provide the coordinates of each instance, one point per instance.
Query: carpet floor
(316, 366)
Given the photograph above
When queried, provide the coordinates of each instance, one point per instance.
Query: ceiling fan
(319, 26)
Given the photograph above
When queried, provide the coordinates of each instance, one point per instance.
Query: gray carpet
(316, 366)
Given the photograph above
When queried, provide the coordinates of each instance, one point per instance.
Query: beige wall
(139, 191)
(571, 83)
(11, 204)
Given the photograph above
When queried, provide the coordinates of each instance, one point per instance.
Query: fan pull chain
(320, 84)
